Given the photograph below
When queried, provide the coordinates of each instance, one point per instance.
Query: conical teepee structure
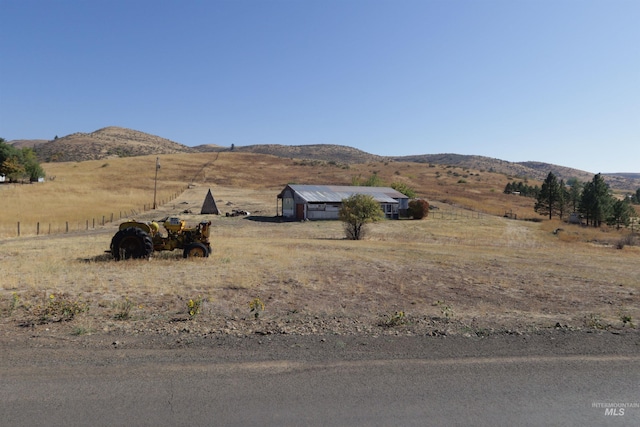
(209, 205)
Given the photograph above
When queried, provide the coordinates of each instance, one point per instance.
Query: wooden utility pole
(155, 182)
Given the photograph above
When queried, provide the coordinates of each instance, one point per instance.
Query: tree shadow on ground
(271, 219)
(106, 257)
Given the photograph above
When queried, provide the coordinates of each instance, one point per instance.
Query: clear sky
(556, 81)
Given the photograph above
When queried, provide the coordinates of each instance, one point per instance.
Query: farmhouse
(324, 201)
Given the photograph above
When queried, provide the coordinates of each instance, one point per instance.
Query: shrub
(627, 240)
(418, 208)
(357, 211)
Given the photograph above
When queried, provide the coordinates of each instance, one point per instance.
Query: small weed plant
(445, 309)
(59, 308)
(256, 307)
(396, 319)
(594, 321)
(81, 330)
(194, 306)
(14, 303)
(123, 309)
(626, 320)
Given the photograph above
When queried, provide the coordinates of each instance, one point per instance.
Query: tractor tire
(196, 250)
(132, 242)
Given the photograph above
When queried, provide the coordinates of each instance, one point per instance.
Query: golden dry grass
(87, 192)
(489, 271)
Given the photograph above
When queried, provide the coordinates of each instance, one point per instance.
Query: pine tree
(621, 213)
(563, 201)
(575, 192)
(549, 200)
(596, 201)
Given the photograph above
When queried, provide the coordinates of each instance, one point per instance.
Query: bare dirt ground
(466, 278)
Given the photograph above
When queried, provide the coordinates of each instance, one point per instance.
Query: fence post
(66, 226)
(37, 229)
(18, 228)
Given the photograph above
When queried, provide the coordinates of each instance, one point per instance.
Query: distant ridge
(27, 143)
(105, 143)
(326, 152)
(529, 170)
(115, 141)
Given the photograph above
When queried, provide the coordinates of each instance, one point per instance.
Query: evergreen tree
(621, 213)
(508, 189)
(575, 192)
(563, 201)
(596, 201)
(549, 201)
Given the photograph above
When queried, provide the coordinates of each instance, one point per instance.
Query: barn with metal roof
(324, 201)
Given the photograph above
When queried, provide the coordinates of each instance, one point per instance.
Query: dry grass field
(78, 193)
(465, 269)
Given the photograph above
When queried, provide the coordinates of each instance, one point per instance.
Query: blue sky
(556, 81)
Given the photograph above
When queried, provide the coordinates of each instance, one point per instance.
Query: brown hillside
(77, 192)
(326, 152)
(524, 170)
(112, 142)
(106, 143)
(27, 143)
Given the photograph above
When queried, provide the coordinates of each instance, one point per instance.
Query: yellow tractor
(136, 239)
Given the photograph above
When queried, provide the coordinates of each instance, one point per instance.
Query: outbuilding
(324, 201)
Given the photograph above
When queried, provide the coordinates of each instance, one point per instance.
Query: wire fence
(45, 227)
(454, 214)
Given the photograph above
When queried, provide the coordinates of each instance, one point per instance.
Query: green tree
(373, 181)
(508, 189)
(12, 168)
(418, 208)
(575, 192)
(31, 166)
(6, 151)
(621, 213)
(596, 201)
(356, 212)
(549, 200)
(563, 202)
(18, 164)
(404, 189)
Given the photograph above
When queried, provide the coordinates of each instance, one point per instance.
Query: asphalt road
(328, 381)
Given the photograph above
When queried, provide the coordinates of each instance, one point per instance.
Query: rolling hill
(106, 143)
(111, 142)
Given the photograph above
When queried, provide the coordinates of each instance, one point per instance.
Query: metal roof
(336, 193)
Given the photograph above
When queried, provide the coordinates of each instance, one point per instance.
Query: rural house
(324, 201)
